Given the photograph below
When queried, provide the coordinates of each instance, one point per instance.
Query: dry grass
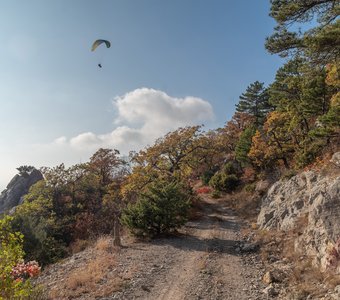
(245, 204)
(79, 245)
(96, 276)
(104, 243)
(303, 275)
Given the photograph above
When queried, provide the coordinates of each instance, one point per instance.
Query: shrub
(250, 187)
(204, 190)
(163, 208)
(288, 174)
(230, 168)
(224, 182)
(309, 153)
(14, 274)
(206, 176)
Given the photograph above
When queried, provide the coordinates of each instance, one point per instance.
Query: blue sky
(171, 63)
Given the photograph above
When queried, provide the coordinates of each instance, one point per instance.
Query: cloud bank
(143, 115)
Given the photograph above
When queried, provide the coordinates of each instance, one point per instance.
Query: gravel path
(205, 262)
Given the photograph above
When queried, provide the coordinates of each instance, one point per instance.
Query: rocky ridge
(17, 188)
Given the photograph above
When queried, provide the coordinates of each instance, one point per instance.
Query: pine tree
(321, 43)
(255, 102)
(243, 146)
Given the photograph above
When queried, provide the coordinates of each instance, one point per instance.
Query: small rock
(250, 247)
(336, 159)
(275, 275)
(270, 291)
(267, 278)
(337, 289)
(145, 288)
(278, 275)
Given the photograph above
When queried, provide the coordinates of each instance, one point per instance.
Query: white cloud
(143, 116)
(60, 140)
(87, 139)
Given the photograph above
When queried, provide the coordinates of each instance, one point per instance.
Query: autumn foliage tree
(273, 143)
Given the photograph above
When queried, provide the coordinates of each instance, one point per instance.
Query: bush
(206, 176)
(230, 168)
(42, 236)
(250, 187)
(309, 153)
(204, 190)
(224, 182)
(163, 208)
(288, 174)
(14, 273)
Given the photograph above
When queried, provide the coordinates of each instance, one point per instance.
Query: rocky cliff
(17, 188)
(310, 200)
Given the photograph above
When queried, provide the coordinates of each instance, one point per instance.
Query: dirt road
(204, 262)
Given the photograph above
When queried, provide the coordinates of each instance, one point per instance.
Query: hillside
(207, 259)
(246, 211)
(220, 254)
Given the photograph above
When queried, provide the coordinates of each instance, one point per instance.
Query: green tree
(226, 179)
(243, 146)
(231, 132)
(255, 102)
(161, 209)
(45, 232)
(11, 254)
(300, 90)
(25, 170)
(320, 43)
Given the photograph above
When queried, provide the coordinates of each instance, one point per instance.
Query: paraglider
(97, 43)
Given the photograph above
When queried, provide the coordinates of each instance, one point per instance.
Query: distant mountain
(17, 188)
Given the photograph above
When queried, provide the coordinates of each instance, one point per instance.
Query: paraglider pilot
(97, 43)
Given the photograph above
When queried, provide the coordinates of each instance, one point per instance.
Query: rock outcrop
(17, 188)
(310, 200)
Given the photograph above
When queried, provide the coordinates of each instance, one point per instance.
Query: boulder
(17, 188)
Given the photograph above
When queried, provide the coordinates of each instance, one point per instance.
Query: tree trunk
(285, 162)
(116, 232)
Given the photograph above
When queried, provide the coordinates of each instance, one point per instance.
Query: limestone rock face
(310, 200)
(17, 188)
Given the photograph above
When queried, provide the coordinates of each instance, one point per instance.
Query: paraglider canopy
(99, 42)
